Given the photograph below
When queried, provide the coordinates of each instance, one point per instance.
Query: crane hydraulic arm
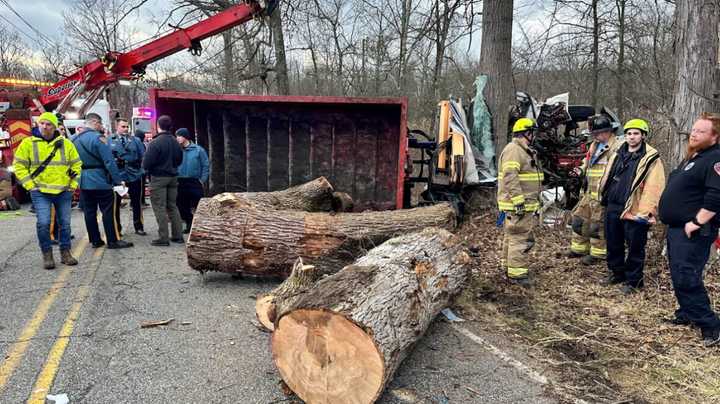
(95, 76)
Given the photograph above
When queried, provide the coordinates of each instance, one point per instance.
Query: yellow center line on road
(52, 364)
(17, 349)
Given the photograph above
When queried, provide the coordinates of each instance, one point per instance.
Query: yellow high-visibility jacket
(648, 184)
(57, 176)
(519, 178)
(594, 171)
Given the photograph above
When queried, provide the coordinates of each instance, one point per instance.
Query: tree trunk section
(343, 339)
(495, 62)
(696, 60)
(253, 238)
(281, 70)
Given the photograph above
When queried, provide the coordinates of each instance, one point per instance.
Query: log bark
(343, 339)
(302, 278)
(256, 239)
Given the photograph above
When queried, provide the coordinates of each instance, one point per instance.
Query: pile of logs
(362, 287)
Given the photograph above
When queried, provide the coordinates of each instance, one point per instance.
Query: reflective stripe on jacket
(56, 177)
(648, 184)
(519, 178)
(594, 172)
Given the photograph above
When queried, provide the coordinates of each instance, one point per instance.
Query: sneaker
(98, 244)
(711, 338)
(160, 243)
(119, 244)
(140, 232)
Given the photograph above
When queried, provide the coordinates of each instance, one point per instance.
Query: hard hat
(599, 124)
(523, 125)
(640, 124)
(50, 117)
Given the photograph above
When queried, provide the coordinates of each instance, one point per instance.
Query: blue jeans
(43, 202)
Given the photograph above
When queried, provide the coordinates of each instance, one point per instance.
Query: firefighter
(588, 241)
(689, 206)
(630, 191)
(48, 165)
(519, 185)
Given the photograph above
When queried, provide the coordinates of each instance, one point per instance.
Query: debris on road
(59, 398)
(151, 324)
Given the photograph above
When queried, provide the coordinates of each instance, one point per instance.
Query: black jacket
(617, 191)
(695, 184)
(163, 156)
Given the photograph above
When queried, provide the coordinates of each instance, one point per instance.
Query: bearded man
(688, 206)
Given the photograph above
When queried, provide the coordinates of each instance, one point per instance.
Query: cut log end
(337, 363)
(265, 311)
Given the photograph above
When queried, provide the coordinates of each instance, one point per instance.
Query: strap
(46, 162)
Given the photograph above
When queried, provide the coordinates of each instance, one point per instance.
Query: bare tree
(13, 52)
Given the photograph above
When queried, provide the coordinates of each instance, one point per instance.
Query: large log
(256, 239)
(341, 341)
(314, 196)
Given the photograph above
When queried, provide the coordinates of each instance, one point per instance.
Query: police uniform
(129, 151)
(587, 217)
(693, 185)
(100, 173)
(519, 184)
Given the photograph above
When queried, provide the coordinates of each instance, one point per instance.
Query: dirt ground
(602, 346)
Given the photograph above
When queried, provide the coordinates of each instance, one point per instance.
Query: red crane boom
(95, 76)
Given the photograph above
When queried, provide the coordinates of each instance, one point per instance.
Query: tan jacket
(519, 179)
(594, 172)
(647, 185)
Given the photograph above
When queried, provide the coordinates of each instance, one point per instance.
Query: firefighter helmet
(523, 125)
(639, 124)
(600, 124)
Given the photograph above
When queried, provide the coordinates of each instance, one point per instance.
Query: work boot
(613, 280)
(524, 282)
(119, 244)
(67, 258)
(589, 260)
(573, 254)
(48, 260)
(629, 290)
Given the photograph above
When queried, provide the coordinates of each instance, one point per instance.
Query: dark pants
(163, 198)
(619, 234)
(135, 192)
(43, 205)
(190, 191)
(687, 257)
(91, 200)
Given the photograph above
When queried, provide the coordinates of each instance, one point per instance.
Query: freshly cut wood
(341, 341)
(301, 279)
(256, 239)
(314, 196)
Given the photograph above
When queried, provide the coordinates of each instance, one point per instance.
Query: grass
(602, 346)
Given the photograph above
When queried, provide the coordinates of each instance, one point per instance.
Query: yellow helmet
(640, 124)
(523, 125)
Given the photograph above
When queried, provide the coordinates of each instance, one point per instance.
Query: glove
(520, 210)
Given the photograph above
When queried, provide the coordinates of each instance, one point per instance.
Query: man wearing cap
(193, 174)
(162, 159)
(588, 226)
(128, 152)
(630, 192)
(48, 165)
(519, 184)
(100, 174)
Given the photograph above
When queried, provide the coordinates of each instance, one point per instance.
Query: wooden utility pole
(496, 63)
(696, 66)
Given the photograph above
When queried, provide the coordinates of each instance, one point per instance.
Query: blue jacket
(99, 170)
(195, 163)
(131, 150)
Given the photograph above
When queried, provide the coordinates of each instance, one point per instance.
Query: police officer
(689, 206)
(47, 164)
(100, 173)
(630, 191)
(128, 152)
(588, 241)
(519, 184)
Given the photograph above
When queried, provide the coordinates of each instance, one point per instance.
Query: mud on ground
(600, 345)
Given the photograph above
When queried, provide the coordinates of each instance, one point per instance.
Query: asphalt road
(77, 331)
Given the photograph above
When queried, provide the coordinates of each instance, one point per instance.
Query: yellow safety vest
(61, 174)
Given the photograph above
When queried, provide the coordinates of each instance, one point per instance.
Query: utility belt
(124, 163)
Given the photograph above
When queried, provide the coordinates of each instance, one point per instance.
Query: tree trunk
(596, 54)
(696, 60)
(495, 62)
(229, 79)
(281, 71)
(257, 239)
(620, 91)
(343, 339)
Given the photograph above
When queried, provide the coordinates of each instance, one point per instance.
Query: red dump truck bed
(268, 143)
